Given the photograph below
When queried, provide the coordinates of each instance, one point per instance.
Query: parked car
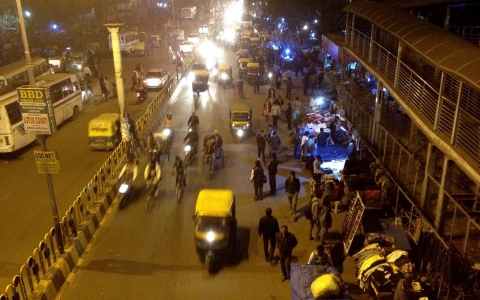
(156, 78)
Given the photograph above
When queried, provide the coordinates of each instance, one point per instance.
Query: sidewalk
(300, 227)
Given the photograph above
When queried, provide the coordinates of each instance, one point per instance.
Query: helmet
(169, 115)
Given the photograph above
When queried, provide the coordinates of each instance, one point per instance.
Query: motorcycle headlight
(79, 67)
(210, 236)
(240, 133)
(188, 148)
(167, 131)
(123, 188)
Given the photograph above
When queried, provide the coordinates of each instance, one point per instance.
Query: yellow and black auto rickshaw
(240, 118)
(224, 75)
(199, 81)
(253, 70)
(243, 53)
(245, 42)
(104, 131)
(242, 66)
(215, 226)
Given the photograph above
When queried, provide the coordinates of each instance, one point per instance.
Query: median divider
(45, 272)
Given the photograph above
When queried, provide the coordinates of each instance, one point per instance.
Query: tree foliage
(8, 21)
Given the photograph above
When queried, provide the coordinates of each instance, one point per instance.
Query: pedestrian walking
(274, 143)
(134, 81)
(103, 88)
(316, 209)
(297, 106)
(107, 87)
(268, 229)
(325, 218)
(286, 241)
(289, 84)
(320, 257)
(256, 177)
(267, 108)
(278, 79)
(317, 169)
(288, 115)
(88, 74)
(292, 188)
(256, 87)
(275, 112)
(271, 92)
(272, 174)
(261, 144)
(240, 84)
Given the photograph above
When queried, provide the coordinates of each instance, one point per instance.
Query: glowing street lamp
(27, 14)
(305, 27)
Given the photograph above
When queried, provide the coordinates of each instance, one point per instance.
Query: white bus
(189, 12)
(17, 71)
(127, 41)
(67, 103)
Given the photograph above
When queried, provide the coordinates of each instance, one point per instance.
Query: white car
(194, 38)
(155, 78)
(186, 46)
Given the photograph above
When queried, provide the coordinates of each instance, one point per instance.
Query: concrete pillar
(445, 183)
(379, 98)
(117, 62)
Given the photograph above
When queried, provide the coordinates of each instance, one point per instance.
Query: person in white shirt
(275, 112)
(87, 73)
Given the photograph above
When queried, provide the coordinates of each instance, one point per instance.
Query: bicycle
(151, 195)
(179, 187)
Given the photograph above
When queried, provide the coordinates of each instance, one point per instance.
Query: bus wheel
(76, 112)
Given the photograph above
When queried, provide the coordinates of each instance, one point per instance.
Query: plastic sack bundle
(326, 286)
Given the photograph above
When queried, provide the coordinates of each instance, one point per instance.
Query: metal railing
(87, 203)
(424, 95)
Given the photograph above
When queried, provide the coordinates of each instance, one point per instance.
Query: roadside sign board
(47, 162)
(37, 110)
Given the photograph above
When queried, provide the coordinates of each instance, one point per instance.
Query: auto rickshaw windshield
(240, 116)
(216, 224)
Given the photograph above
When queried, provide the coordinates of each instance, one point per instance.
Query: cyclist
(179, 170)
(193, 121)
(130, 169)
(168, 122)
(152, 175)
(192, 138)
(152, 142)
(218, 144)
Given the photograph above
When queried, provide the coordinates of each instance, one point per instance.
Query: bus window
(13, 112)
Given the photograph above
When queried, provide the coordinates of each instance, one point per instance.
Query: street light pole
(40, 137)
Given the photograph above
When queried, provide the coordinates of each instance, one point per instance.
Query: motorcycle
(190, 151)
(177, 59)
(124, 191)
(141, 94)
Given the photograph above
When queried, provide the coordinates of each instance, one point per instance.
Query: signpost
(47, 162)
(37, 110)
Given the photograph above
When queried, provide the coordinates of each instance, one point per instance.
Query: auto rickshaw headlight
(224, 76)
(79, 67)
(188, 148)
(191, 77)
(167, 131)
(210, 236)
(240, 133)
(215, 72)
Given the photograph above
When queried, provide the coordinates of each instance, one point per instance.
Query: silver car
(155, 78)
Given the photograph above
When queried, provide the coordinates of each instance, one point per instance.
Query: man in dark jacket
(325, 218)
(257, 178)
(261, 144)
(292, 187)
(286, 241)
(268, 227)
(272, 173)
